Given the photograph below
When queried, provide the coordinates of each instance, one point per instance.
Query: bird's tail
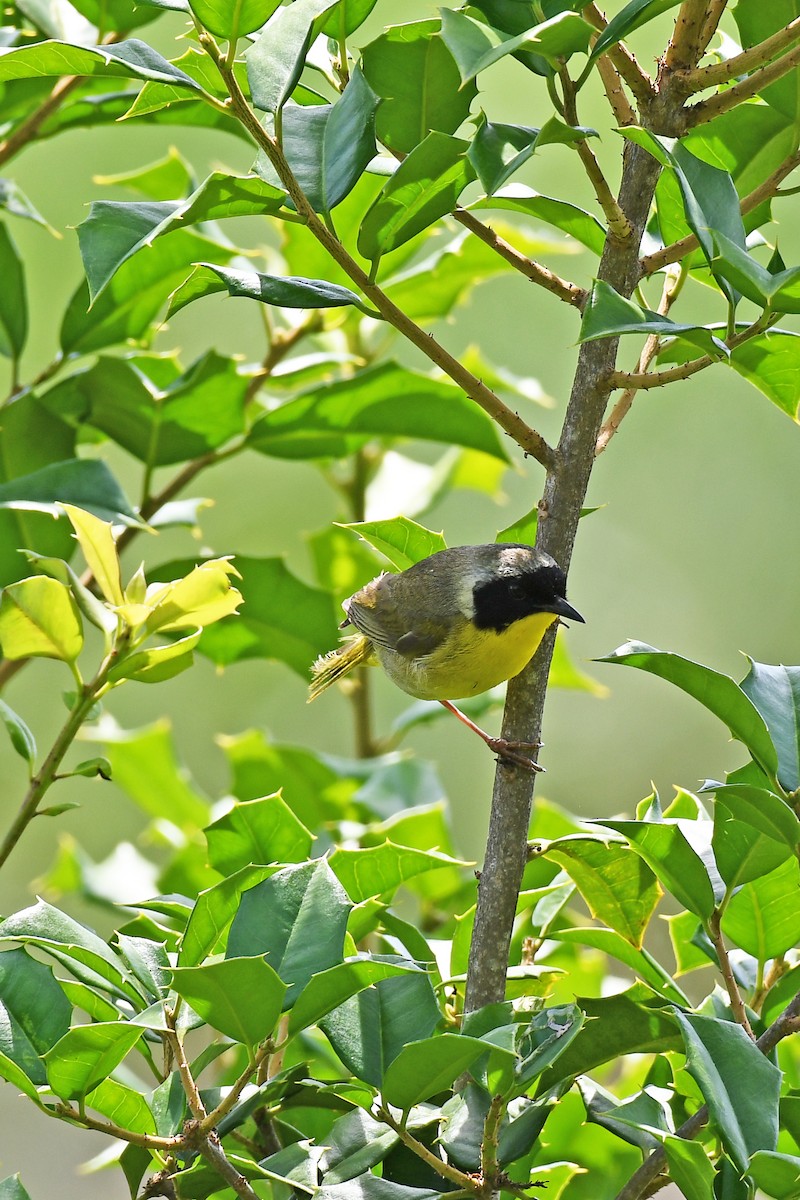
(354, 652)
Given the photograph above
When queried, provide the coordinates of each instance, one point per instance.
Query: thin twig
(489, 1143)
(230, 1100)
(612, 86)
(148, 1141)
(730, 68)
(213, 1153)
(673, 281)
(468, 1182)
(735, 996)
(714, 14)
(529, 440)
(731, 97)
(570, 293)
(618, 223)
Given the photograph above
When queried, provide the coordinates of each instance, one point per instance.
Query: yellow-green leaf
(96, 540)
(202, 597)
(39, 619)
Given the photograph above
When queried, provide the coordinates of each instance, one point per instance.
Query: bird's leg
(506, 749)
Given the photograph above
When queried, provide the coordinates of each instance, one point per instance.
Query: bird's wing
(374, 612)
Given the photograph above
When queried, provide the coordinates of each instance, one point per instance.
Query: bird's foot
(508, 751)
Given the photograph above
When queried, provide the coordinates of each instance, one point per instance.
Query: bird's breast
(469, 661)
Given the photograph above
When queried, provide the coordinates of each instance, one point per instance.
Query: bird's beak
(563, 609)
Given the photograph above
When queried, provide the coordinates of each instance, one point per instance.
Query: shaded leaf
(677, 865)
(131, 59)
(13, 299)
(84, 482)
(607, 314)
(276, 59)
(20, 735)
(329, 989)
(577, 222)
(285, 291)
(34, 1012)
(775, 691)
(216, 990)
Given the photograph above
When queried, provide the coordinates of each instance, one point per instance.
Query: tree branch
(639, 82)
(442, 1168)
(612, 86)
(714, 14)
(570, 293)
(617, 221)
(718, 73)
(731, 97)
(684, 50)
(528, 439)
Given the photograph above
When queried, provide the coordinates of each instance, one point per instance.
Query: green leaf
(370, 1030)
(199, 411)
(14, 200)
(425, 187)
(257, 831)
(607, 314)
(145, 767)
(281, 618)
(690, 1167)
(425, 1067)
(11, 1189)
(639, 961)
(285, 291)
(776, 1174)
(157, 663)
(128, 305)
(719, 1055)
(34, 1012)
(759, 920)
(618, 886)
(741, 851)
(161, 180)
(328, 146)
(11, 1073)
(401, 540)
(329, 989)
(476, 46)
(387, 400)
(39, 619)
(413, 72)
(131, 59)
(123, 1106)
(346, 18)
(21, 737)
(577, 222)
(277, 57)
(233, 20)
(213, 912)
(678, 867)
(87, 1055)
(83, 482)
(380, 870)
(777, 290)
(632, 16)
(216, 991)
(769, 362)
(716, 692)
(13, 299)
(766, 812)
(115, 230)
(757, 22)
(775, 691)
(297, 920)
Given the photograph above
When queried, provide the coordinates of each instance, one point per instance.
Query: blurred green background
(695, 549)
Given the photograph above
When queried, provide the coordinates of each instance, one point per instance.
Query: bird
(453, 625)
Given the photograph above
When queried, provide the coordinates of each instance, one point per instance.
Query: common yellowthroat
(453, 625)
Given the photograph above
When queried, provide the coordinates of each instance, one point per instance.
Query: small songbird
(453, 625)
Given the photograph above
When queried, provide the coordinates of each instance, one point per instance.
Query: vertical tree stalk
(559, 511)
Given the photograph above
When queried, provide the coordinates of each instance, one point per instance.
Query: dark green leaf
(775, 691)
(276, 59)
(716, 692)
(741, 851)
(476, 46)
(21, 737)
(257, 831)
(213, 912)
(114, 230)
(633, 1120)
(607, 314)
(85, 482)
(13, 300)
(548, 1036)
(632, 16)
(618, 886)
(776, 1174)
(197, 412)
(285, 291)
(14, 200)
(329, 989)
(778, 290)
(762, 809)
(127, 307)
(370, 1030)
(719, 1055)
(130, 60)
(11, 1189)
(384, 401)
(413, 72)
(373, 1187)
(328, 146)
(34, 1012)
(690, 1168)
(497, 150)
(241, 997)
(425, 187)
(425, 1067)
(297, 920)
